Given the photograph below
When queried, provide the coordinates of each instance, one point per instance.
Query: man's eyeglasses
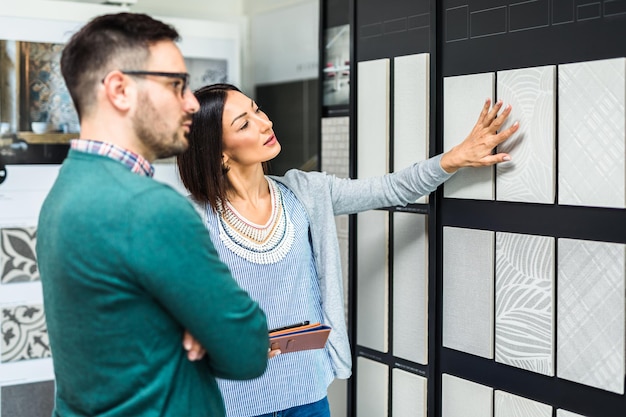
(182, 76)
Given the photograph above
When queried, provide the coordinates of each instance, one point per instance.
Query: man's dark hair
(106, 43)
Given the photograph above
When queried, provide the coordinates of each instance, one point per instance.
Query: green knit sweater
(126, 266)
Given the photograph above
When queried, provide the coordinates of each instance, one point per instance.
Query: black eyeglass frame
(183, 76)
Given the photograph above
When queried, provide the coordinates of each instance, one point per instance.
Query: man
(126, 263)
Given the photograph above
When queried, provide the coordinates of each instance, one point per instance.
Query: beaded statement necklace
(259, 244)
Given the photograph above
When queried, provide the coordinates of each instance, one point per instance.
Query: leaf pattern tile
(24, 333)
(524, 302)
(509, 405)
(18, 261)
(591, 317)
(592, 133)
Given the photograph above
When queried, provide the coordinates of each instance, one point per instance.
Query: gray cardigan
(325, 196)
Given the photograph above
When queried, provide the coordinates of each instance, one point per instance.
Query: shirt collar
(136, 163)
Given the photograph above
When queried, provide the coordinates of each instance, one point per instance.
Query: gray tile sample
(463, 398)
(373, 118)
(592, 133)
(18, 260)
(525, 301)
(468, 290)
(372, 387)
(411, 111)
(591, 317)
(530, 176)
(409, 394)
(509, 405)
(24, 333)
(410, 287)
(372, 280)
(463, 100)
(27, 400)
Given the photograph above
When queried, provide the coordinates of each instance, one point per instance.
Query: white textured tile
(373, 118)
(468, 281)
(409, 394)
(530, 176)
(592, 133)
(411, 93)
(509, 405)
(463, 398)
(463, 100)
(564, 413)
(591, 316)
(372, 388)
(410, 287)
(525, 301)
(372, 279)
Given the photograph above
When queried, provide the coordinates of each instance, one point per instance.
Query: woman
(277, 234)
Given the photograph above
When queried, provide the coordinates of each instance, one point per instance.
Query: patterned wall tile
(18, 262)
(463, 99)
(411, 111)
(564, 413)
(468, 281)
(409, 394)
(509, 405)
(372, 387)
(410, 287)
(592, 133)
(27, 400)
(373, 118)
(525, 301)
(24, 333)
(372, 279)
(463, 398)
(530, 176)
(591, 315)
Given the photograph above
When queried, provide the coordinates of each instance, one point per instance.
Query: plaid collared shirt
(136, 163)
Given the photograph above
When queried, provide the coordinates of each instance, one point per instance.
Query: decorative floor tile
(463, 100)
(373, 118)
(27, 400)
(509, 405)
(563, 413)
(24, 333)
(410, 287)
(372, 387)
(592, 133)
(530, 176)
(525, 301)
(468, 281)
(463, 398)
(591, 317)
(409, 394)
(372, 279)
(411, 111)
(18, 261)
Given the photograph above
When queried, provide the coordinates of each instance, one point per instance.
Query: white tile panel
(372, 388)
(509, 405)
(463, 398)
(409, 394)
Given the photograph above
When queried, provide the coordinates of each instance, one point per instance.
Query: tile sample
(562, 413)
(18, 261)
(372, 279)
(530, 176)
(463, 100)
(27, 400)
(409, 394)
(509, 405)
(411, 122)
(24, 333)
(410, 287)
(468, 316)
(463, 398)
(371, 388)
(592, 133)
(591, 319)
(373, 118)
(525, 301)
